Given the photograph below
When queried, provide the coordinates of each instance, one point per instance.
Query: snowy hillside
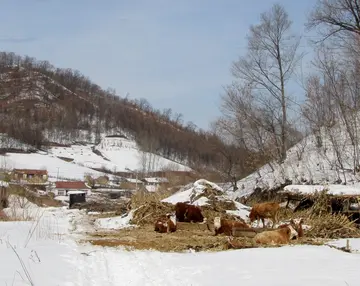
(116, 154)
(56, 167)
(306, 163)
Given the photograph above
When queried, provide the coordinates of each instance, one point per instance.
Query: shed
(76, 197)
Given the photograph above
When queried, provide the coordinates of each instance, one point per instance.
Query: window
(61, 193)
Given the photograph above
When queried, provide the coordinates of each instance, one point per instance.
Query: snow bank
(242, 211)
(333, 189)
(117, 222)
(20, 208)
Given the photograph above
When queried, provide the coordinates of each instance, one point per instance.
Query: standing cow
(264, 210)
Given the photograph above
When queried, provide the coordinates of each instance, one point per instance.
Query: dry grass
(187, 236)
(40, 201)
(141, 197)
(147, 213)
(323, 223)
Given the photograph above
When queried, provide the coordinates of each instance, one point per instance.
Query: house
(155, 181)
(29, 175)
(64, 187)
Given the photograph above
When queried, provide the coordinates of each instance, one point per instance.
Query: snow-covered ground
(46, 252)
(55, 166)
(125, 154)
(116, 222)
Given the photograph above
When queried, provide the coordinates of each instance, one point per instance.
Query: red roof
(31, 171)
(71, 185)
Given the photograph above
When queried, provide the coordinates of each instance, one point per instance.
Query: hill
(41, 105)
(111, 155)
(309, 163)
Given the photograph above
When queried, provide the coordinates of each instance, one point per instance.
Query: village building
(155, 181)
(29, 176)
(63, 188)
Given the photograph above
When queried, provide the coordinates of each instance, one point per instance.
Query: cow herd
(185, 212)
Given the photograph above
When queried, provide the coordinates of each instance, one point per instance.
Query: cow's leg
(263, 221)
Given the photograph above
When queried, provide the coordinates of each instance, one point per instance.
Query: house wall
(62, 192)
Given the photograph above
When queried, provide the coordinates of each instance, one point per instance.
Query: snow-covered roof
(151, 188)
(76, 192)
(4, 184)
(131, 180)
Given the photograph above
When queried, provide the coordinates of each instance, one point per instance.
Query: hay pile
(208, 191)
(147, 213)
(324, 224)
(331, 226)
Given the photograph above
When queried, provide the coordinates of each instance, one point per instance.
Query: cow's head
(294, 230)
(172, 217)
(252, 216)
(217, 222)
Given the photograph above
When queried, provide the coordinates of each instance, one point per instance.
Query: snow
(125, 154)
(354, 244)
(333, 189)
(118, 154)
(134, 181)
(4, 184)
(156, 180)
(191, 191)
(202, 201)
(48, 249)
(181, 196)
(151, 189)
(21, 209)
(242, 211)
(116, 222)
(55, 166)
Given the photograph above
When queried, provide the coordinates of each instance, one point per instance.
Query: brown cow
(226, 226)
(167, 224)
(281, 235)
(264, 210)
(296, 226)
(188, 213)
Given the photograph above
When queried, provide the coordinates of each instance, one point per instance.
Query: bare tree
(335, 18)
(267, 68)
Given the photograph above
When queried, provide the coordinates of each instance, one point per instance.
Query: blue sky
(176, 54)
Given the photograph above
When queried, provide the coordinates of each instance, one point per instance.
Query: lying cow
(188, 213)
(281, 235)
(166, 224)
(296, 226)
(226, 226)
(264, 210)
